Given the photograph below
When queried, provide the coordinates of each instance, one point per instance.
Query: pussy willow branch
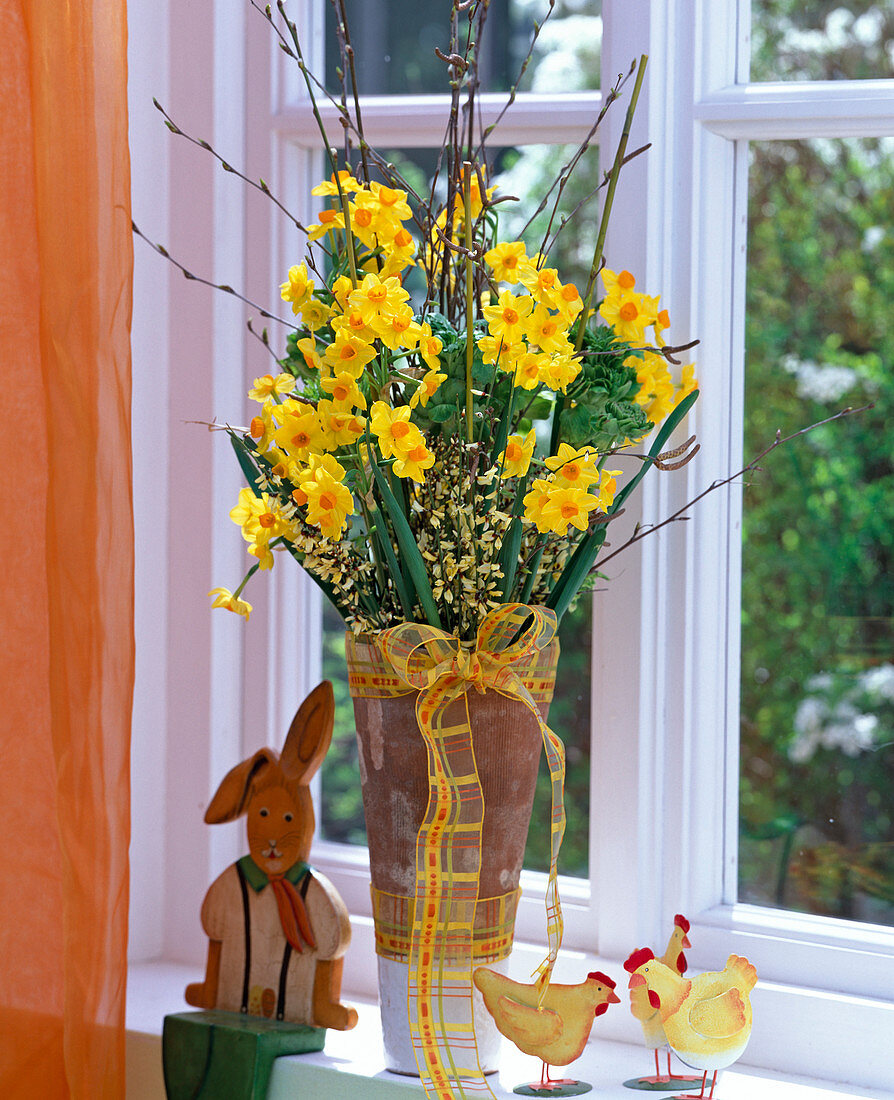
(342, 73)
(752, 466)
(566, 219)
(513, 91)
(226, 288)
(613, 94)
(262, 338)
(227, 167)
(568, 170)
(349, 51)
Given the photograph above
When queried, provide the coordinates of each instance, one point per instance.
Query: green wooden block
(228, 1056)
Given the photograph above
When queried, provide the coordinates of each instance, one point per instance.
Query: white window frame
(663, 826)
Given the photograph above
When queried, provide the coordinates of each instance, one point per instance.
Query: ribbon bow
(442, 669)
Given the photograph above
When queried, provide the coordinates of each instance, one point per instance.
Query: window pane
(817, 810)
(822, 39)
(394, 43)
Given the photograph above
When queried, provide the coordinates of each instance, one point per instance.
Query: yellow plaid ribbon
(448, 846)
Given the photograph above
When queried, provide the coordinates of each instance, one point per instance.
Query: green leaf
(664, 433)
(408, 548)
(509, 555)
(245, 456)
(381, 535)
(440, 414)
(578, 568)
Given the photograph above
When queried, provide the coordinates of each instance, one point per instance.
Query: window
(663, 824)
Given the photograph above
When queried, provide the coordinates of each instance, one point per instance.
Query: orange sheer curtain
(66, 672)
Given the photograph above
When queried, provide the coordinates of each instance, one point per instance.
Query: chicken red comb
(604, 978)
(637, 958)
(681, 922)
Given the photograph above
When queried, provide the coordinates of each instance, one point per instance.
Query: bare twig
(226, 288)
(227, 167)
(262, 338)
(752, 466)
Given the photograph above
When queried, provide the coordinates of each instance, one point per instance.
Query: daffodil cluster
(396, 454)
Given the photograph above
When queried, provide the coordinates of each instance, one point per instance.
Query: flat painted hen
(647, 1014)
(707, 1021)
(555, 1032)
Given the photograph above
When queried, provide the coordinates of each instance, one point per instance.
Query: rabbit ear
(231, 798)
(309, 735)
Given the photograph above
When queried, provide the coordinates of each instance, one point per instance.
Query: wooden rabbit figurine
(277, 930)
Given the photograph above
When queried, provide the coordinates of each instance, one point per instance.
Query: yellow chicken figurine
(649, 1018)
(707, 1021)
(555, 1032)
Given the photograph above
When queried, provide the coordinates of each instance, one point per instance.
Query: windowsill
(352, 1065)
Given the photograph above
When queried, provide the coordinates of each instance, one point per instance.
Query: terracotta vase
(394, 779)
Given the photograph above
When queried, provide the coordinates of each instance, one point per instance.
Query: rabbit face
(280, 828)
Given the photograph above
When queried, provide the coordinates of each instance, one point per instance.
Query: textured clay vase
(394, 778)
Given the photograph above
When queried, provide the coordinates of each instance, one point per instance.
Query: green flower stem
(470, 298)
(607, 205)
(246, 579)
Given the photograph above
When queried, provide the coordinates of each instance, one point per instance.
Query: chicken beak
(685, 942)
(613, 999)
(636, 980)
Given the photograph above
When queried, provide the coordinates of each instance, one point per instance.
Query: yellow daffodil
(574, 469)
(608, 486)
(535, 501)
(353, 324)
(329, 220)
(262, 428)
(516, 458)
(299, 432)
(259, 517)
(630, 314)
(309, 353)
(617, 283)
(328, 188)
(413, 463)
(345, 391)
(396, 435)
(341, 291)
(314, 314)
(429, 346)
(567, 301)
(428, 385)
(340, 427)
(494, 349)
(299, 287)
(348, 353)
(266, 386)
(656, 389)
(560, 371)
(396, 328)
(546, 330)
(568, 507)
(374, 296)
(540, 281)
(223, 597)
(329, 503)
(527, 369)
(504, 258)
(506, 320)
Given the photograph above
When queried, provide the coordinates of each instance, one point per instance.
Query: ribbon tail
(447, 878)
